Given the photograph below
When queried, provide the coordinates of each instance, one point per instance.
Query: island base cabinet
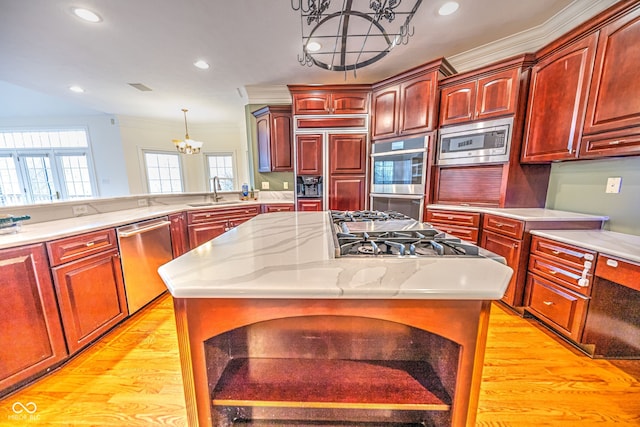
(31, 338)
(331, 362)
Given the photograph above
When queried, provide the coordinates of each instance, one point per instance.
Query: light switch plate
(286, 185)
(613, 185)
(265, 185)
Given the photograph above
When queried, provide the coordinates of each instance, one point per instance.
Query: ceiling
(252, 46)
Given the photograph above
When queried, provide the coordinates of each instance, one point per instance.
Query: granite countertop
(626, 246)
(291, 255)
(525, 214)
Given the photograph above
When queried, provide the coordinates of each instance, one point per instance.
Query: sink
(204, 204)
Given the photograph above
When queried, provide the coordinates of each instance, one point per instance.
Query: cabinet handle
(449, 217)
(555, 252)
(612, 263)
(617, 141)
(547, 303)
(89, 244)
(552, 272)
(515, 245)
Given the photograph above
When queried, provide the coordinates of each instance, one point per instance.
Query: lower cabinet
(29, 322)
(89, 287)
(179, 236)
(313, 205)
(204, 225)
(275, 207)
(347, 192)
(463, 225)
(511, 250)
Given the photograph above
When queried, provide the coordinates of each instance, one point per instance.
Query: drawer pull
(553, 272)
(616, 142)
(449, 217)
(89, 244)
(555, 252)
(612, 263)
(547, 302)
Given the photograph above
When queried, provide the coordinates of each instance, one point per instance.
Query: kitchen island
(274, 329)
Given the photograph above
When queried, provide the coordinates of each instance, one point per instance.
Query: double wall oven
(398, 176)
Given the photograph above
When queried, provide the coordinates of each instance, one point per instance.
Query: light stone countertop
(620, 245)
(291, 255)
(525, 214)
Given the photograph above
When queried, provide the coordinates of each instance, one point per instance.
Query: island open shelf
(331, 362)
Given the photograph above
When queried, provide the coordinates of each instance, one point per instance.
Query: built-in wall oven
(398, 175)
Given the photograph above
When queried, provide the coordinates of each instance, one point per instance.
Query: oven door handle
(393, 153)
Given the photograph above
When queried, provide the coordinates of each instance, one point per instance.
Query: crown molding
(530, 40)
(274, 94)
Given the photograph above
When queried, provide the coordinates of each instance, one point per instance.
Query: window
(222, 166)
(163, 172)
(44, 165)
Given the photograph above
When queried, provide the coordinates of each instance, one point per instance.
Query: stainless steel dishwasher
(144, 246)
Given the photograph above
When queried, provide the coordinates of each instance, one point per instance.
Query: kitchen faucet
(215, 186)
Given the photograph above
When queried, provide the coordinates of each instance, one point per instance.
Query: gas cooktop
(375, 233)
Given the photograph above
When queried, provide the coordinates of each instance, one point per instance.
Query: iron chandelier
(338, 37)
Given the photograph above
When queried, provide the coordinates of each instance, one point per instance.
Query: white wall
(105, 141)
(139, 134)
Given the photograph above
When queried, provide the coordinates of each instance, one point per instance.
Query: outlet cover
(286, 185)
(143, 202)
(80, 210)
(613, 185)
(265, 185)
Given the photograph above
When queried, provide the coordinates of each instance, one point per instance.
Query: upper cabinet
(320, 100)
(407, 104)
(584, 100)
(479, 99)
(274, 133)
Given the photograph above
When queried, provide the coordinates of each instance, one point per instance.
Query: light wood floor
(132, 378)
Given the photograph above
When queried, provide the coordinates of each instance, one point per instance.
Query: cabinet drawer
(625, 273)
(469, 219)
(196, 217)
(564, 310)
(506, 226)
(465, 233)
(575, 279)
(277, 208)
(565, 254)
(76, 247)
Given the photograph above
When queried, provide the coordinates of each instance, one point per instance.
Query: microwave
(480, 142)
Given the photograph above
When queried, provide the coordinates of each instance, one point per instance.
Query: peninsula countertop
(291, 255)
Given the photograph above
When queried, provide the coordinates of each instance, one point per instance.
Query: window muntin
(164, 174)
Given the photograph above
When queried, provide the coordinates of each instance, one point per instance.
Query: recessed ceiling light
(76, 89)
(448, 8)
(313, 46)
(86, 14)
(203, 65)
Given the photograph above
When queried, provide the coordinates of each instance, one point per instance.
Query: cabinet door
(347, 192)
(614, 99)
(91, 297)
(179, 236)
(201, 233)
(510, 249)
(281, 149)
(347, 153)
(309, 205)
(457, 103)
(263, 131)
(309, 154)
(31, 338)
(310, 103)
(496, 95)
(417, 97)
(557, 100)
(384, 121)
(349, 103)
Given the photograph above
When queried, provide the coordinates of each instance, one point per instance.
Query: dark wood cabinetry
(464, 225)
(584, 93)
(179, 235)
(274, 133)
(29, 318)
(277, 207)
(89, 285)
(347, 171)
(345, 99)
(406, 104)
(204, 225)
(479, 99)
(312, 205)
(309, 154)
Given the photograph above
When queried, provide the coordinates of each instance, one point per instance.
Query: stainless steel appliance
(309, 186)
(398, 171)
(375, 233)
(473, 143)
(144, 246)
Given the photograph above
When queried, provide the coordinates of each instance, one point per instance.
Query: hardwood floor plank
(530, 378)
